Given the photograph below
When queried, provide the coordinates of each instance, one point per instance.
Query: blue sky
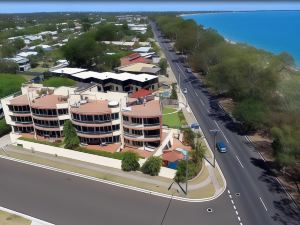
(113, 6)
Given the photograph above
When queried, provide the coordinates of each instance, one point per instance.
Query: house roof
(172, 156)
(139, 67)
(106, 75)
(141, 93)
(142, 49)
(133, 58)
(68, 70)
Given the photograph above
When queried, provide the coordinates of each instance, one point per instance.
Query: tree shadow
(288, 213)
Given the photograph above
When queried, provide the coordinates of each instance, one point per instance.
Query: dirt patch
(227, 104)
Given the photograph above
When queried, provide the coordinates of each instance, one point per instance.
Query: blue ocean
(274, 31)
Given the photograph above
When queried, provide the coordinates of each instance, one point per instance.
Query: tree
(86, 24)
(81, 52)
(198, 153)
(252, 113)
(4, 128)
(130, 161)
(19, 43)
(180, 175)
(8, 66)
(71, 139)
(163, 64)
(188, 137)
(152, 166)
(173, 92)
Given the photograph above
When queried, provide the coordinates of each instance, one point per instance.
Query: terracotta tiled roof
(48, 101)
(172, 156)
(149, 109)
(133, 58)
(95, 107)
(20, 100)
(141, 93)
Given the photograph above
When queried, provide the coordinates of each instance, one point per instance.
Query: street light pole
(186, 172)
(215, 133)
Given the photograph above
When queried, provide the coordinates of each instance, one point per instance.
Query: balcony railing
(20, 112)
(94, 133)
(152, 136)
(44, 115)
(133, 135)
(23, 122)
(92, 121)
(46, 126)
(151, 124)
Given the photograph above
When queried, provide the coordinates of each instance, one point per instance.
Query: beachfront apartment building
(99, 118)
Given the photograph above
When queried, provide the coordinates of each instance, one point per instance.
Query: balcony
(44, 115)
(91, 121)
(95, 132)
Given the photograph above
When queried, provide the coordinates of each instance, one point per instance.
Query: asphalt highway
(261, 198)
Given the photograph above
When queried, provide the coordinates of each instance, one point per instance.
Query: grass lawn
(10, 83)
(174, 120)
(58, 81)
(39, 70)
(11, 219)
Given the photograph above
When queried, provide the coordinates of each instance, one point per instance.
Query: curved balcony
(93, 135)
(44, 117)
(46, 128)
(90, 124)
(141, 126)
(137, 137)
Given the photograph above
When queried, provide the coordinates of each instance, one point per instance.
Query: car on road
(188, 70)
(184, 90)
(221, 147)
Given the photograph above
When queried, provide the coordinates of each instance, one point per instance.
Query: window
(115, 116)
(125, 118)
(116, 127)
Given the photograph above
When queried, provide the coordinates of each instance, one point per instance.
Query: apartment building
(99, 118)
(108, 81)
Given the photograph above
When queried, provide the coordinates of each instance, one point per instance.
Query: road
(69, 200)
(261, 199)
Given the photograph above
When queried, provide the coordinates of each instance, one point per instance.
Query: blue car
(221, 147)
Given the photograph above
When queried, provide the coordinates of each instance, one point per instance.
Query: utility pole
(215, 133)
(186, 172)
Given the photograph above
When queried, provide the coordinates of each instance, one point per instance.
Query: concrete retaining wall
(95, 159)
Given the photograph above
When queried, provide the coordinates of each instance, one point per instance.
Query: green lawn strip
(58, 81)
(55, 144)
(174, 120)
(4, 128)
(10, 83)
(12, 219)
(114, 155)
(39, 69)
(201, 177)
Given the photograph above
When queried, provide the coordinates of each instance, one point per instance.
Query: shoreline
(295, 68)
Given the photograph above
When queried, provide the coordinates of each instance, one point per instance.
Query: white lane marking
(234, 207)
(228, 191)
(239, 161)
(197, 96)
(232, 202)
(111, 182)
(247, 139)
(236, 212)
(262, 202)
(202, 101)
(221, 131)
(241, 223)
(230, 196)
(208, 110)
(261, 156)
(239, 218)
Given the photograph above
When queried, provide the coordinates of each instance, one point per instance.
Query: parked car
(184, 90)
(221, 147)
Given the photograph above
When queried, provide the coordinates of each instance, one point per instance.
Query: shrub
(8, 66)
(173, 92)
(130, 161)
(188, 137)
(152, 166)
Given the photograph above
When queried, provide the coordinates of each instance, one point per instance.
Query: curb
(34, 220)
(115, 183)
